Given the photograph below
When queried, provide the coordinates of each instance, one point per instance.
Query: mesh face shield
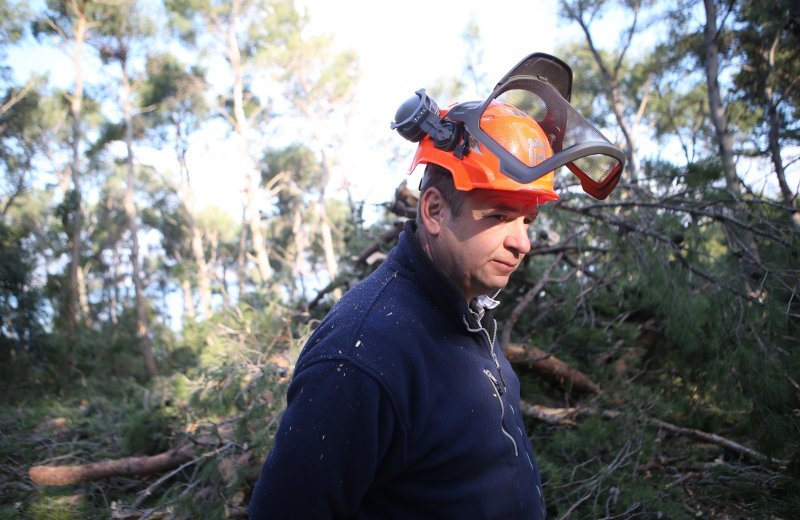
(576, 143)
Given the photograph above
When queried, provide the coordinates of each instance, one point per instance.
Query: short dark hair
(440, 178)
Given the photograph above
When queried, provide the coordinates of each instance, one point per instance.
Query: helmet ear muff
(419, 116)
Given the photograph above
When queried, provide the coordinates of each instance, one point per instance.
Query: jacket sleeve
(336, 430)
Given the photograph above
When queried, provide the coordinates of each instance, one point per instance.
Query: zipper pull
(497, 386)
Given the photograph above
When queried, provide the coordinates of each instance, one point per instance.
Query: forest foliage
(677, 295)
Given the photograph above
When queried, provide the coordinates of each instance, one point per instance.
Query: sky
(404, 46)
(401, 47)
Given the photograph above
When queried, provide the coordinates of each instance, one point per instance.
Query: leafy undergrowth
(620, 467)
(225, 393)
(615, 461)
(224, 396)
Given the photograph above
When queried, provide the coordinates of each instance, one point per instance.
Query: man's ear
(433, 207)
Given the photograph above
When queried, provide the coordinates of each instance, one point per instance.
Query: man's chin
(494, 285)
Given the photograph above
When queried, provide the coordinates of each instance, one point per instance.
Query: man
(402, 404)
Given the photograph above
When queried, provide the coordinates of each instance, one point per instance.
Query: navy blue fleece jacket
(401, 406)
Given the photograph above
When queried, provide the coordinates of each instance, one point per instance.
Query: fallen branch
(567, 417)
(554, 416)
(388, 235)
(728, 444)
(551, 367)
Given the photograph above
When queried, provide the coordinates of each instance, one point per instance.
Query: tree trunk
(241, 257)
(130, 466)
(241, 127)
(743, 245)
(198, 252)
(774, 132)
(142, 327)
(83, 298)
(187, 196)
(611, 85)
(188, 300)
(299, 267)
(76, 108)
(331, 263)
(203, 277)
(567, 417)
(114, 303)
(716, 108)
(325, 229)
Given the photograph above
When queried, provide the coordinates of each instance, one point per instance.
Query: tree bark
(83, 297)
(188, 300)
(530, 294)
(746, 243)
(726, 443)
(567, 416)
(203, 275)
(299, 267)
(204, 445)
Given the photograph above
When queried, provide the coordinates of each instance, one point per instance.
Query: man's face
(485, 243)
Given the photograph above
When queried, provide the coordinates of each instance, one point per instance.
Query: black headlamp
(539, 86)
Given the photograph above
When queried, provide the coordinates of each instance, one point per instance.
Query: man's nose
(518, 238)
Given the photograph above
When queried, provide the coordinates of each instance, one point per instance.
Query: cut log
(551, 367)
(65, 475)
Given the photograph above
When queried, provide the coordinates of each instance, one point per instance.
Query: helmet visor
(575, 142)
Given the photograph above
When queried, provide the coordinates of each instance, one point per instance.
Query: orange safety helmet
(517, 137)
(479, 168)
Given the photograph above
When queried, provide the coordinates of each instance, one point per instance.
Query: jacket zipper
(496, 386)
(499, 386)
(490, 346)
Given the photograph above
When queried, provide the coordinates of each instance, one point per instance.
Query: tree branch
(14, 99)
(526, 300)
(567, 416)
(552, 368)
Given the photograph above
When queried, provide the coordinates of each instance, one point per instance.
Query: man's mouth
(506, 266)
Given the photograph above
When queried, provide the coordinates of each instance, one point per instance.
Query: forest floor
(593, 466)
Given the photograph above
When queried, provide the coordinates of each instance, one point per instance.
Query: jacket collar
(410, 255)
